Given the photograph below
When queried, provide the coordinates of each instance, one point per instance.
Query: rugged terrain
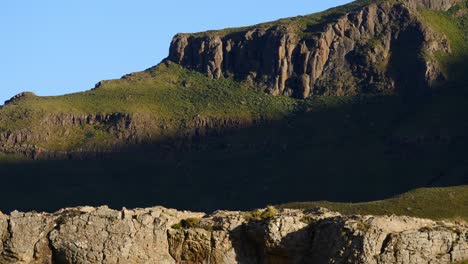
(160, 235)
(233, 146)
(357, 103)
(375, 48)
(175, 126)
(360, 48)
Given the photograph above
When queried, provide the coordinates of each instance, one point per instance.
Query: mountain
(357, 103)
(350, 50)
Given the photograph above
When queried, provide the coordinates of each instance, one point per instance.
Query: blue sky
(54, 47)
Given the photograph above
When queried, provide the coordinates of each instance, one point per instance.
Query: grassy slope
(336, 149)
(443, 115)
(454, 25)
(157, 92)
(433, 203)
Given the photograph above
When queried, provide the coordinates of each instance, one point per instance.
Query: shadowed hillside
(374, 105)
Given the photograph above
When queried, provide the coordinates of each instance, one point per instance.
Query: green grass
(171, 96)
(188, 223)
(453, 24)
(261, 214)
(11, 158)
(159, 94)
(433, 203)
(299, 24)
(158, 91)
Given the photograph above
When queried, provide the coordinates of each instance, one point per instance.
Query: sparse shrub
(425, 229)
(261, 214)
(188, 223)
(363, 226)
(309, 220)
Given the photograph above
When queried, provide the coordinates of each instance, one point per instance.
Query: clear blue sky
(54, 47)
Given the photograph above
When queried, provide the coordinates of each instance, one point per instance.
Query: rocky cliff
(160, 235)
(381, 47)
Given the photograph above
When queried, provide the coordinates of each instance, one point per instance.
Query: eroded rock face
(120, 130)
(364, 51)
(102, 235)
(434, 4)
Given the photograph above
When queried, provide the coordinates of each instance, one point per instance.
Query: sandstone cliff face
(375, 49)
(102, 235)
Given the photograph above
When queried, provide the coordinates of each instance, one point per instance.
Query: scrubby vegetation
(261, 214)
(454, 25)
(188, 223)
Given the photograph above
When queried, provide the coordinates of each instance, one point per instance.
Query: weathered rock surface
(102, 235)
(375, 49)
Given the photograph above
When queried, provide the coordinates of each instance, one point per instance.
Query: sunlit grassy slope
(433, 203)
(169, 92)
(173, 95)
(167, 95)
(454, 25)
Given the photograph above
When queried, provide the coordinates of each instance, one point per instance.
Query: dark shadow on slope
(349, 152)
(406, 64)
(252, 244)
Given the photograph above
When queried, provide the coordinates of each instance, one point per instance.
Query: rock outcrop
(118, 130)
(375, 48)
(154, 235)
(19, 97)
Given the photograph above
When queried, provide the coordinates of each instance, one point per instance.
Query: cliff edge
(363, 47)
(160, 235)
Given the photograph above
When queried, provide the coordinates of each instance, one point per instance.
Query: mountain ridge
(171, 127)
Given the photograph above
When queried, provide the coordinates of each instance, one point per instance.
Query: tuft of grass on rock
(261, 214)
(188, 224)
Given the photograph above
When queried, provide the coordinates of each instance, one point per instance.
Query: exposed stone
(25, 240)
(19, 96)
(357, 52)
(102, 235)
(434, 4)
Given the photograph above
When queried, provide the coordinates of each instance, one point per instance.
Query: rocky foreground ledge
(160, 235)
